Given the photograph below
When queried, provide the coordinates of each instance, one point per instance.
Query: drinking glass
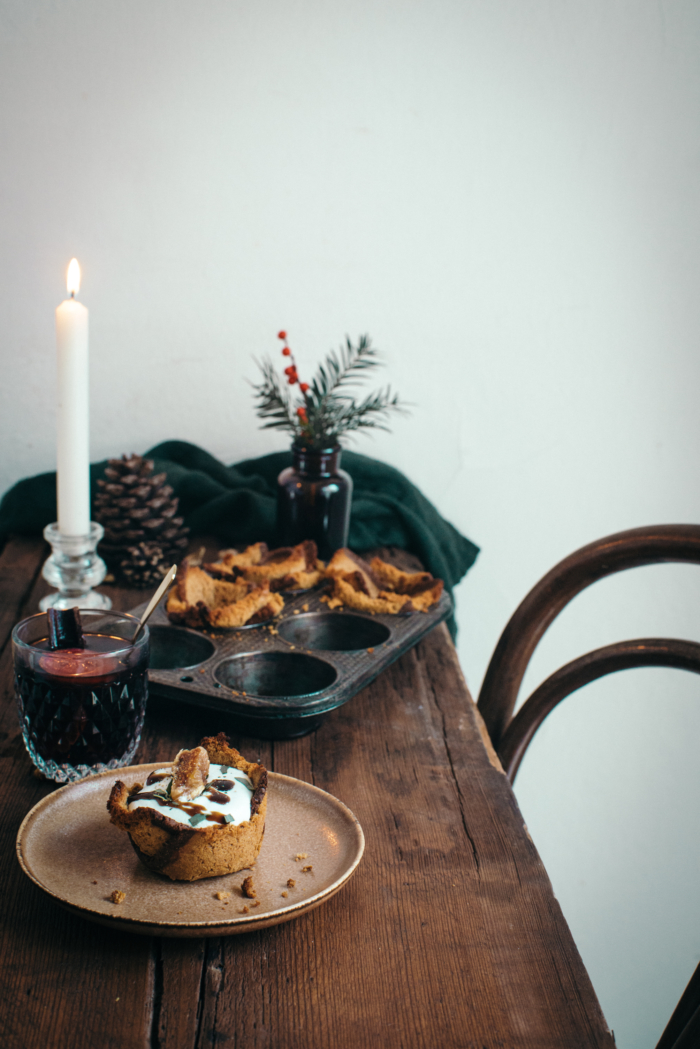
(81, 709)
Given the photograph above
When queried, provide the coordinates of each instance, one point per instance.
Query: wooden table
(447, 936)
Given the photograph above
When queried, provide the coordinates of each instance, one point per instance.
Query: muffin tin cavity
(330, 632)
(280, 680)
(278, 674)
(173, 648)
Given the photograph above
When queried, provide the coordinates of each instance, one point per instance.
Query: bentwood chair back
(511, 735)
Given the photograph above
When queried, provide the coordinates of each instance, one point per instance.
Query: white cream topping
(237, 807)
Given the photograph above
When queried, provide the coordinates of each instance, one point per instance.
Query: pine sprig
(341, 370)
(326, 411)
(372, 413)
(273, 400)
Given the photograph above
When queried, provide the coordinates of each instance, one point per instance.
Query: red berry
(292, 379)
(289, 370)
(303, 386)
(281, 335)
(301, 412)
(287, 352)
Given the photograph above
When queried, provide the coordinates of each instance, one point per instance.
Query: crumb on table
(222, 895)
(243, 910)
(284, 893)
(290, 883)
(305, 607)
(308, 867)
(255, 903)
(301, 856)
(247, 888)
(371, 651)
(117, 896)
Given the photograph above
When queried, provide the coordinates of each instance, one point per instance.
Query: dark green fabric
(238, 505)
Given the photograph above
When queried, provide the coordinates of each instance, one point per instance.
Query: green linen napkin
(238, 504)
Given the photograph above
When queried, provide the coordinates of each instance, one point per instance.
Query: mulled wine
(81, 709)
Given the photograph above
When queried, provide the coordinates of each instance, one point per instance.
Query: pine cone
(144, 566)
(137, 509)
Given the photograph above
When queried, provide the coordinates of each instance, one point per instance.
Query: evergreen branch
(273, 400)
(327, 411)
(342, 369)
(372, 413)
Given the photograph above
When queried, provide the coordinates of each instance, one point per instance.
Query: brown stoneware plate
(68, 847)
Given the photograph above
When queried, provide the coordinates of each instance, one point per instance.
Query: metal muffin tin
(280, 679)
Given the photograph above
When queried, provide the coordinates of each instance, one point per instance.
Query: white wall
(505, 195)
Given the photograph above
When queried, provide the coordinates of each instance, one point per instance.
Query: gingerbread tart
(182, 851)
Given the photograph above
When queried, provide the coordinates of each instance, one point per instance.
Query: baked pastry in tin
(378, 587)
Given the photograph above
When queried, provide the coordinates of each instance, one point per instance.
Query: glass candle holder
(74, 568)
(81, 710)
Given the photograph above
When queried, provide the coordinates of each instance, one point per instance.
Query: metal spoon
(167, 580)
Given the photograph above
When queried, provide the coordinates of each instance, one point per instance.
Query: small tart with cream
(200, 817)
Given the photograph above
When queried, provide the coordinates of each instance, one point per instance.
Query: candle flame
(73, 281)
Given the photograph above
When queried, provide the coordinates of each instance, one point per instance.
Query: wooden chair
(511, 735)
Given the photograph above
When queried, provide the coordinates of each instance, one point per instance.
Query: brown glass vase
(313, 499)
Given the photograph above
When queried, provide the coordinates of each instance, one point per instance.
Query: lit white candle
(73, 451)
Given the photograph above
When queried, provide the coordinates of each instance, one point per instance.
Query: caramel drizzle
(155, 777)
(191, 808)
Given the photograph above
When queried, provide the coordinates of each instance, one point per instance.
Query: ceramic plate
(68, 847)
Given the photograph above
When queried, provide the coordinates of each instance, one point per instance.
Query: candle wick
(72, 295)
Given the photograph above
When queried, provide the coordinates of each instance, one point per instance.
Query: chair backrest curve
(623, 655)
(615, 553)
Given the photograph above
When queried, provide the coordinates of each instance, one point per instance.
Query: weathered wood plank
(70, 983)
(425, 945)
(178, 981)
(51, 964)
(543, 984)
(448, 933)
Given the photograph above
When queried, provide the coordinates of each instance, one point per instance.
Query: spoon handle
(167, 580)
